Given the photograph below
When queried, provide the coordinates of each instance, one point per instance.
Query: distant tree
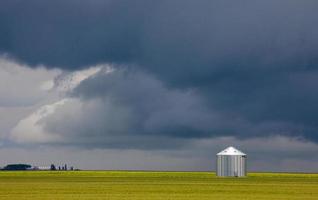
(60, 168)
(17, 167)
(65, 167)
(53, 167)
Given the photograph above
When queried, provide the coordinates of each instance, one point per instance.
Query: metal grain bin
(231, 162)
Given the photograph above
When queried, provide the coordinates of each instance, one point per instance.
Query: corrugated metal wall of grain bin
(231, 162)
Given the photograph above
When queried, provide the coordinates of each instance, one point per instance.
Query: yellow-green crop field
(122, 185)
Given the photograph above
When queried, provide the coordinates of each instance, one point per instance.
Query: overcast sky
(159, 85)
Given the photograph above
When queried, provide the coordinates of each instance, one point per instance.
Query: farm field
(122, 185)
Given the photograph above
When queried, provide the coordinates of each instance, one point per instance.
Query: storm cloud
(162, 74)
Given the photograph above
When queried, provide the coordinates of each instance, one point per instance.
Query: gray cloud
(165, 35)
(184, 71)
(22, 90)
(21, 86)
(134, 117)
(129, 109)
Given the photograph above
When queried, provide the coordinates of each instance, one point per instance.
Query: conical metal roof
(231, 151)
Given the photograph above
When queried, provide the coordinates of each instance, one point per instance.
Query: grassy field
(94, 185)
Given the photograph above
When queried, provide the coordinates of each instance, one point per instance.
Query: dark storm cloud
(72, 33)
(199, 37)
(130, 109)
(254, 62)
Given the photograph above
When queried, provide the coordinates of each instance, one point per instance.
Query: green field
(123, 185)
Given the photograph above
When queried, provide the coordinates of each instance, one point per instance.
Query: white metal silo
(231, 162)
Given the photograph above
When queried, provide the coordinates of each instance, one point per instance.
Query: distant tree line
(29, 167)
(63, 168)
(17, 167)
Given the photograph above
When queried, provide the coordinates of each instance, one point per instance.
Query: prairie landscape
(122, 185)
(160, 87)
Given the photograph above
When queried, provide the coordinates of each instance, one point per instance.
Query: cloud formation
(118, 109)
(161, 35)
(158, 75)
(22, 86)
(247, 61)
(105, 107)
(22, 89)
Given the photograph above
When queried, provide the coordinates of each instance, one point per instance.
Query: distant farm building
(231, 162)
(43, 168)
